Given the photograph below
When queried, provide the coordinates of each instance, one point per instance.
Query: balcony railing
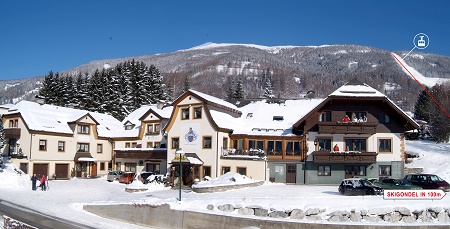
(347, 127)
(241, 152)
(12, 133)
(347, 157)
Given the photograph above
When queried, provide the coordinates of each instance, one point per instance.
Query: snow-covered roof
(215, 100)
(355, 88)
(55, 119)
(136, 117)
(268, 119)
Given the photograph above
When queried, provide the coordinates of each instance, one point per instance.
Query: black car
(428, 181)
(144, 177)
(358, 186)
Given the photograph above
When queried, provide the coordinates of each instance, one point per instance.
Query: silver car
(113, 175)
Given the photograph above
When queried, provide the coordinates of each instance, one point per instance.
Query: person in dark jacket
(33, 181)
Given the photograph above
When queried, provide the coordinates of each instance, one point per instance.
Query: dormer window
(278, 118)
(83, 129)
(129, 127)
(197, 112)
(185, 113)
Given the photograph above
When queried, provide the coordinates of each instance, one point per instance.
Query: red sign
(426, 194)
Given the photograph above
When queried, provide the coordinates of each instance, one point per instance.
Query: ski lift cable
(423, 87)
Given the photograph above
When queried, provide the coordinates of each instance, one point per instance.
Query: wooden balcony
(344, 157)
(347, 127)
(12, 133)
(142, 153)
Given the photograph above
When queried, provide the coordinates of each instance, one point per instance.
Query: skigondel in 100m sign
(414, 194)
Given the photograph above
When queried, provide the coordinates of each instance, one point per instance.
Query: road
(34, 218)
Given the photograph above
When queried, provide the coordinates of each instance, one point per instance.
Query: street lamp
(179, 151)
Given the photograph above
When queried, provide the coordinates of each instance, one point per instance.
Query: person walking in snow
(33, 181)
(43, 183)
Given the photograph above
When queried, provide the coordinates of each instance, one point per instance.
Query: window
(83, 129)
(99, 148)
(355, 170)
(43, 145)
(225, 143)
(206, 171)
(355, 145)
(275, 147)
(61, 146)
(325, 116)
(102, 166)
(384, 145)
(14, 123)
(225, 169)
(82, 147)
(149, 144)
(129, 126)
(384, 170)
(197, 112)
(324, 170)
(157, 128)
(175, 143)
(127, 145)
(384, 118)
(157, 144)
(292, 148)
(149, 128)
(242, 170)
(185, 113)
(325, 144)
(130, 167)
(207, 142)
(134, 145)
(118, 166)
(251, 144)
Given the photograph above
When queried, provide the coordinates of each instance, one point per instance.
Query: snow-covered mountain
(294, 70)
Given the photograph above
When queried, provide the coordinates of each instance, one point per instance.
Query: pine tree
(168, 94)
(423, 107)
(440, 122)
(230, 92)
(2, 136)
(268, 89)
(186, 85)
(81, 85)
(239, 93)
(49, 89)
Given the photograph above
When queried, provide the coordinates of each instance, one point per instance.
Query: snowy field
(65, 198)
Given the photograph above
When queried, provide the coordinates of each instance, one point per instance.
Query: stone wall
(255, 216)
(12, 223)
(375, 215)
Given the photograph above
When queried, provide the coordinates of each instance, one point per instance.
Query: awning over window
(83, 156)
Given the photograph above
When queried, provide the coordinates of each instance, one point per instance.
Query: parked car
(428, 181)
(113, 175)
(391, 183)
(127, 177)
(358, 186)
(144, 177)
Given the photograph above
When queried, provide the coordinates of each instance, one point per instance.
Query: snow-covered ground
(65, 198)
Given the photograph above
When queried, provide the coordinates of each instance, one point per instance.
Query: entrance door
(94, 169)
(291, 171)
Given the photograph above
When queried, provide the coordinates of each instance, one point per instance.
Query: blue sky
(39, 36)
